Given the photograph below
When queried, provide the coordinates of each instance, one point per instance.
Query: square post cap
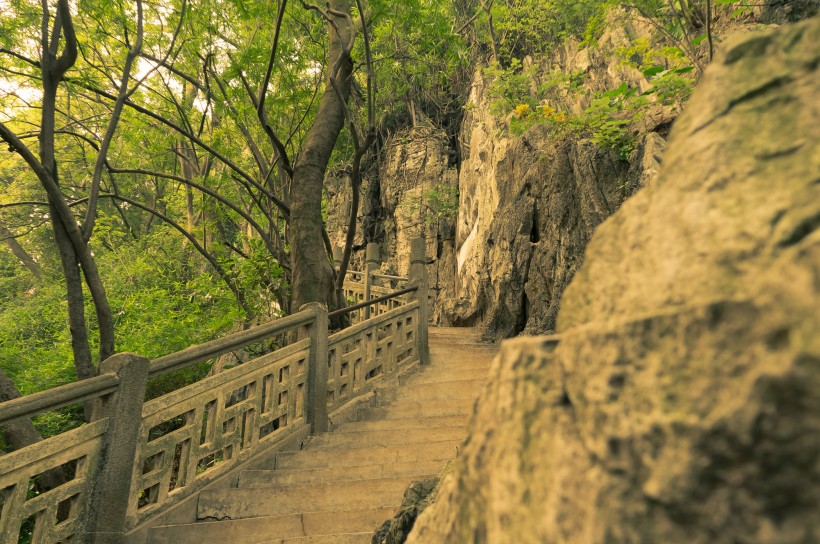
(418, 251)
(372, 253)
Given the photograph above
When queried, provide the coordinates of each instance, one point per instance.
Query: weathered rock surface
(786, 11)
(527, 205)
(528, 208)
(681, 401)
(416, 499)
(416, 164)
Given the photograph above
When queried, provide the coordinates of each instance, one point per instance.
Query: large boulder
(680, 402)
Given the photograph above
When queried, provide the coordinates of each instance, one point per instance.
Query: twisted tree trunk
(312, 272)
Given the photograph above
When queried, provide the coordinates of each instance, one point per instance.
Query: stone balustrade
(138, 458)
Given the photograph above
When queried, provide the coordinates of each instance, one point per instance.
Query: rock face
(527, 205)
(416, 499)
(528, 208)
(418, 174)
(786, 11)
(681, 401)
(530, 204)
(403, 197)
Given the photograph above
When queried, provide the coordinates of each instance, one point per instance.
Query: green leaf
(653, 71)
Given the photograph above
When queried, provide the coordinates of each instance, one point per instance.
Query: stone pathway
(344, 484)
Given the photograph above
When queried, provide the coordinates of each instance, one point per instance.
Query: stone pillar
(317, 370)
(418, 278)
(107, 520)
(370, 267)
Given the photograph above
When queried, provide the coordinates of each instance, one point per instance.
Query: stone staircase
(342, 485)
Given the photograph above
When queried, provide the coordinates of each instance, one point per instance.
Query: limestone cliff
(528, 208)
(681, 401)
(416, 165)
(527, 205)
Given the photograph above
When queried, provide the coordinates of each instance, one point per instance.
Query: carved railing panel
(197, 433)
(354, 291)
(368, 350)
(57, 514)
(386, 305)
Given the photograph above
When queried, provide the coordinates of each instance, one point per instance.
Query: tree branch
(96, 178)
(198, 141)
(69, 54)
(263, 91)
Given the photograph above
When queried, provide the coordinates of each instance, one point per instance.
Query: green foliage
(609, 117)
(667, 69)
(511, 86)
(261, 274)
(436, 204)
(162, 301)
(525, 97)
(418, 58)
(739, 9)
(534, 27)
(441, 202)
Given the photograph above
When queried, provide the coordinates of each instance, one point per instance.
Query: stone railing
(360, 286)
(137, 458)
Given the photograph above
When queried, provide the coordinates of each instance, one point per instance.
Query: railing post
(316, 398)
(370, 267)
(418, 278)
(338, 253)
(108, 509)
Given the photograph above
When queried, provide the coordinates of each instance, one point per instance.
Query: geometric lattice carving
(196, 433)
(57, 514)
(353, 292)
(367, 350)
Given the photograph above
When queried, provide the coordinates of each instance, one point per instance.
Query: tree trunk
(69, 237)
(312, 273)
(21, 254)
(83, 360)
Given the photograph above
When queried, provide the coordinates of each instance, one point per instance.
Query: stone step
(483, 362)
(406, 423)
(450, 382)
(261, 529)
(477, 375)
(446, 340)
(417, 469)
(387, 408)
(347, 457)
(348, 538)
(240, 503)
(448, 390)
(452, 331)
(372, 438)
(433, 376)
(425, 395)
(428, 407)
